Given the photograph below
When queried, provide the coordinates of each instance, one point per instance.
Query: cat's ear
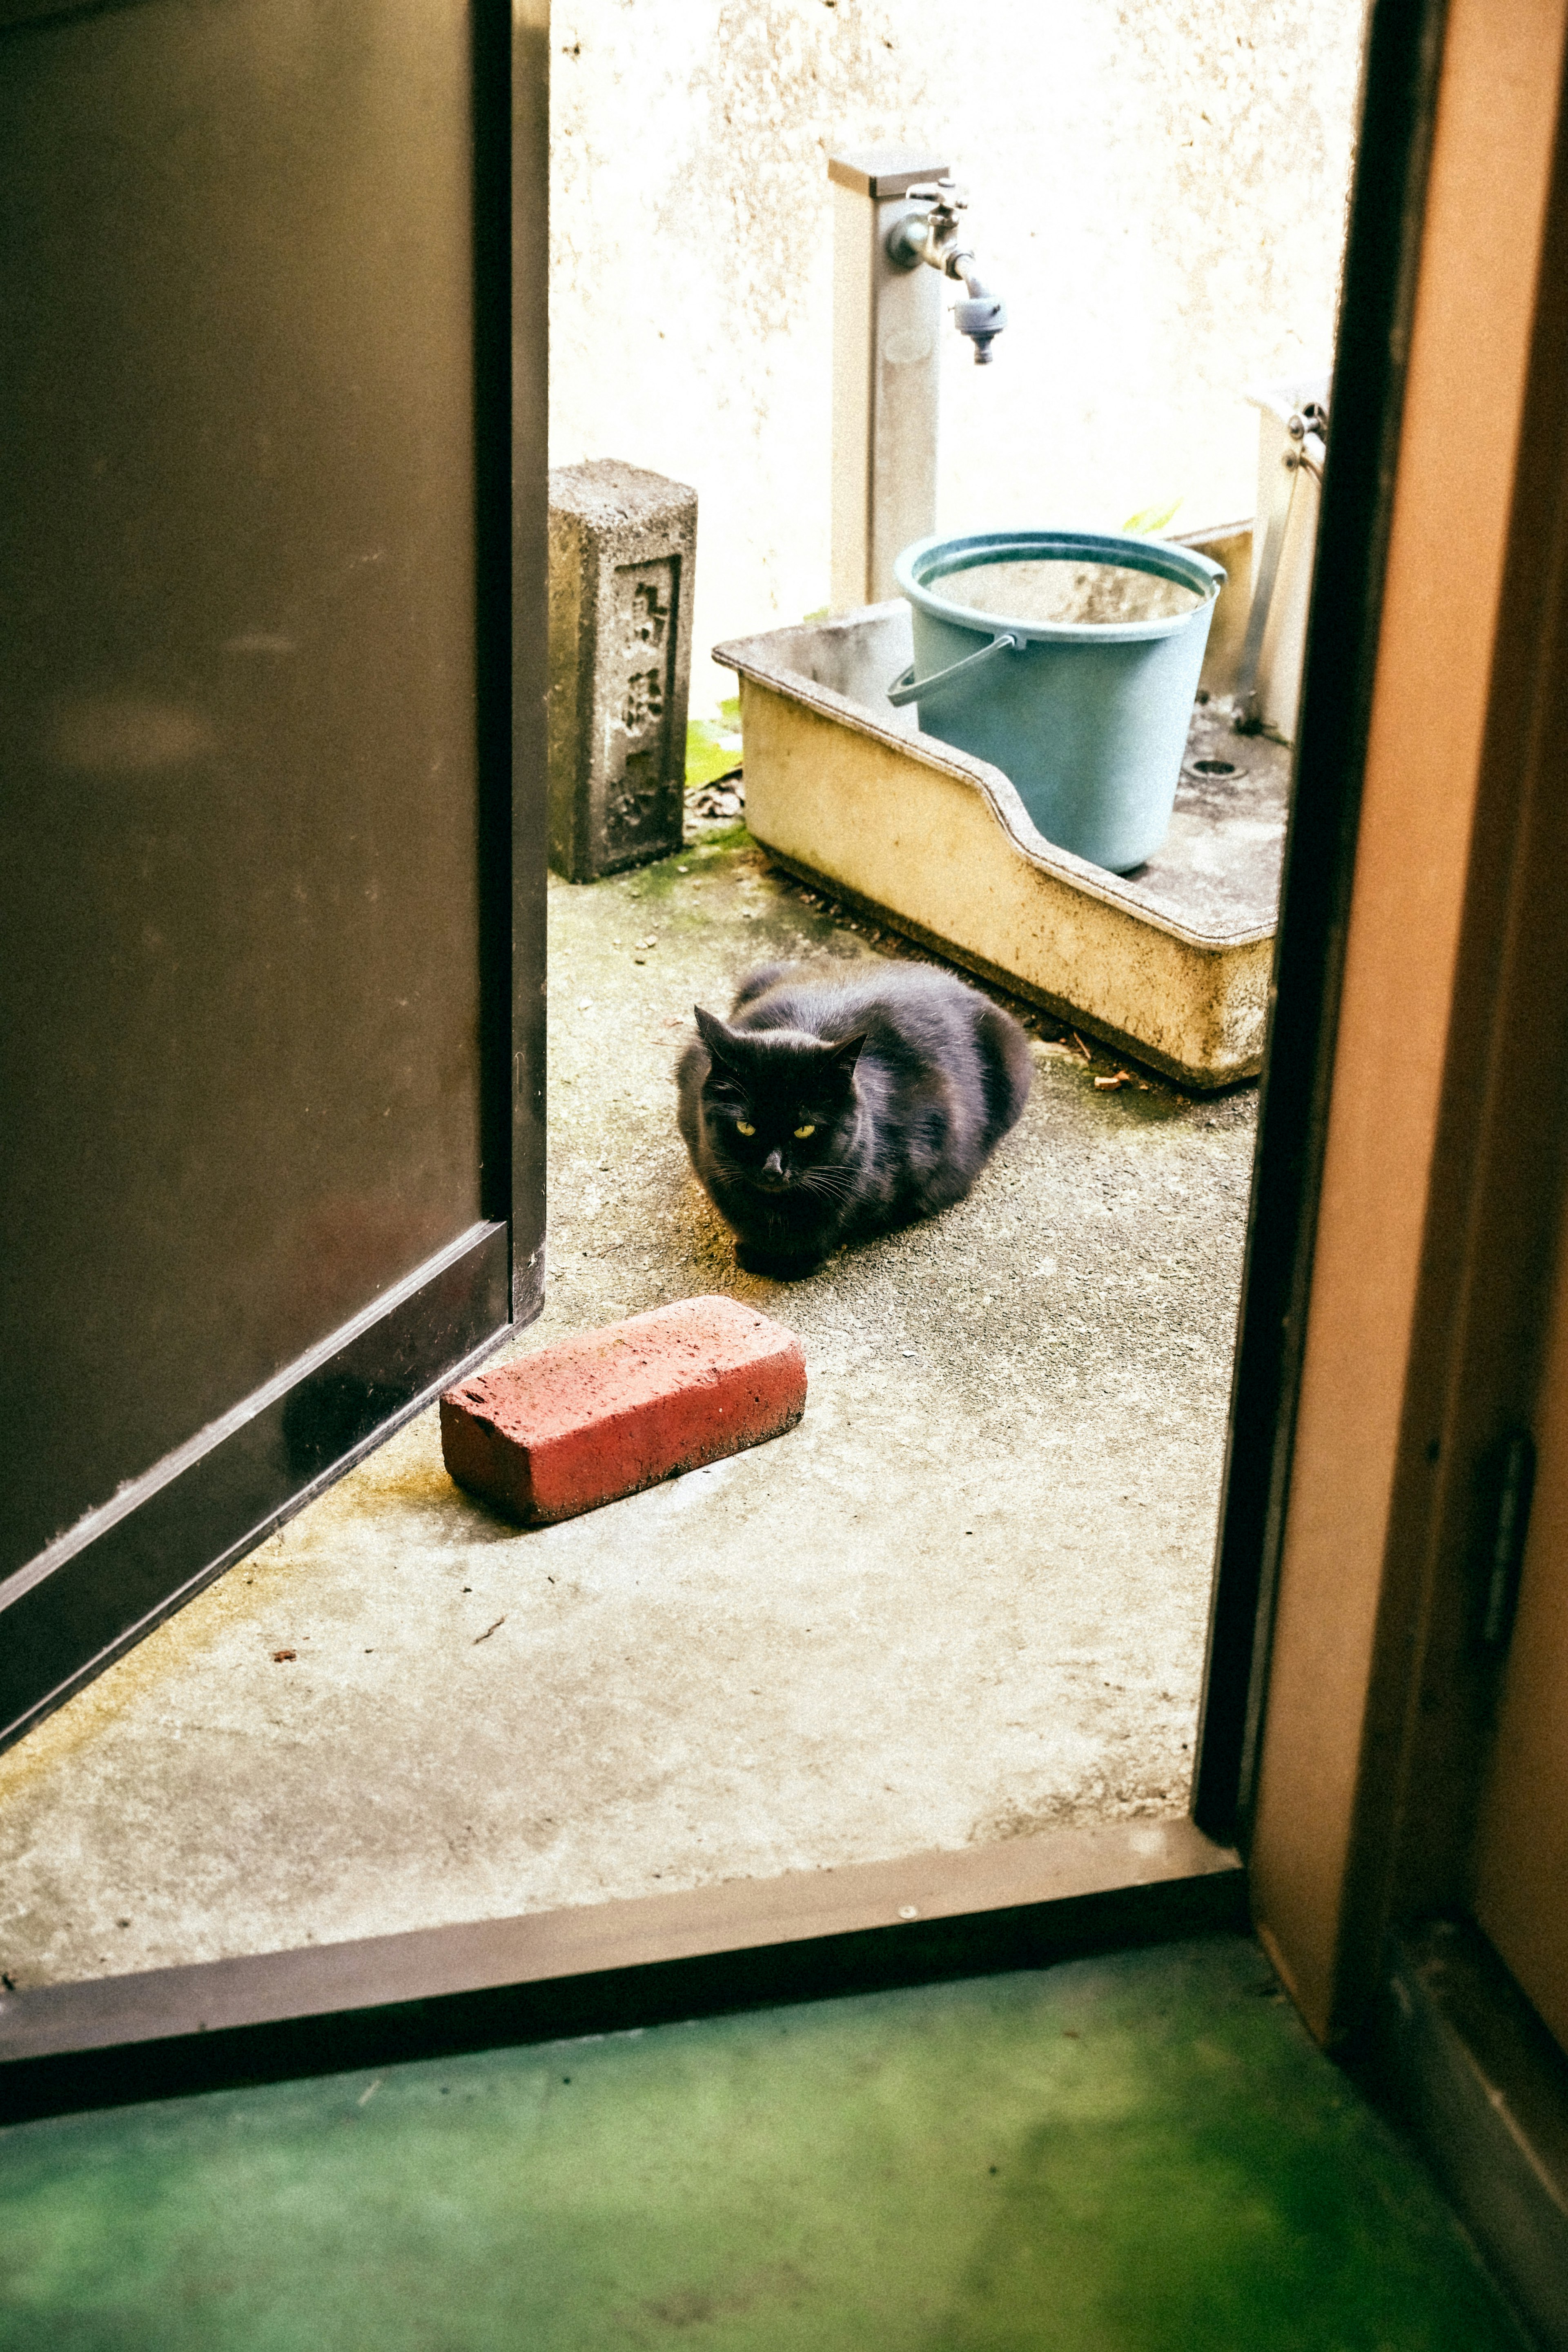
(719, 1040)
(846, 1052)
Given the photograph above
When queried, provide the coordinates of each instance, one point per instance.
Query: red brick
(618, 1409)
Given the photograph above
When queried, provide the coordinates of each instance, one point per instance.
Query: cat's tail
(1008, 1071)
(757, 983)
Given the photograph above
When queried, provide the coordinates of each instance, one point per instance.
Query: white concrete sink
(1170, 963)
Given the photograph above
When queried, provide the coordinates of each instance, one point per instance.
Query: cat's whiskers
(833, 1183)
(835, 1196)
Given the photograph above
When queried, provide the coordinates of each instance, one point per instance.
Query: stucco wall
(1158, 189)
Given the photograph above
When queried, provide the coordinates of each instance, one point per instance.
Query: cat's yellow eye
(801, 1132)
(741, 1128)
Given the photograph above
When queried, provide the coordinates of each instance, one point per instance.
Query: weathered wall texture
(1159, 186)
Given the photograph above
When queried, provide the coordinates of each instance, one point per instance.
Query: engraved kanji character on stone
(648, 614)
(645, 700)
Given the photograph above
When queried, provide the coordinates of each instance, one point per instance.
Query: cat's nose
(774, 1164)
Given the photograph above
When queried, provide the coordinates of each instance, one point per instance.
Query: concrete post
(887, 329)
(623, 554)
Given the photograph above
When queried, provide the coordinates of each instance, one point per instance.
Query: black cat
(830, 1108)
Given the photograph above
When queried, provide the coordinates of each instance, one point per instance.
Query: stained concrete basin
(1171, 962)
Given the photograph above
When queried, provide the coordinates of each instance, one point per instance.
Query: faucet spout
(932, 236)
(982, 317)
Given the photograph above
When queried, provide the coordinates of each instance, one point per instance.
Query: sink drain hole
(1216, 768)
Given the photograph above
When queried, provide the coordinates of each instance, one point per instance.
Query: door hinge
(1509, 1523)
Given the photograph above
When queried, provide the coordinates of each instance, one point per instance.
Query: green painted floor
(1143, 2153)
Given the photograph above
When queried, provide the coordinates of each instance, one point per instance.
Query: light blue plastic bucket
(1087, 718)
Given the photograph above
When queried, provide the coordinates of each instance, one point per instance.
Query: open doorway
(964, 1603)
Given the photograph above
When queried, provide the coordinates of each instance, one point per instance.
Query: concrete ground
(963, 1601)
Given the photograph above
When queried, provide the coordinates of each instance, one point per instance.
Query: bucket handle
(906, 688)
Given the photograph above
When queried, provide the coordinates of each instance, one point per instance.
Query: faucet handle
(944, 196)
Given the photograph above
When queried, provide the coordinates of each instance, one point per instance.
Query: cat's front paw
(776, 1269)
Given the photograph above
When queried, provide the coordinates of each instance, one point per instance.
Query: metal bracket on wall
(1510, 1525)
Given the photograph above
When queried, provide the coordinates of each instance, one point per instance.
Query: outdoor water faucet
(894, 208)
(934, 236)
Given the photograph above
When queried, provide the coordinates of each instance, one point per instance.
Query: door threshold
(611, 1967)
